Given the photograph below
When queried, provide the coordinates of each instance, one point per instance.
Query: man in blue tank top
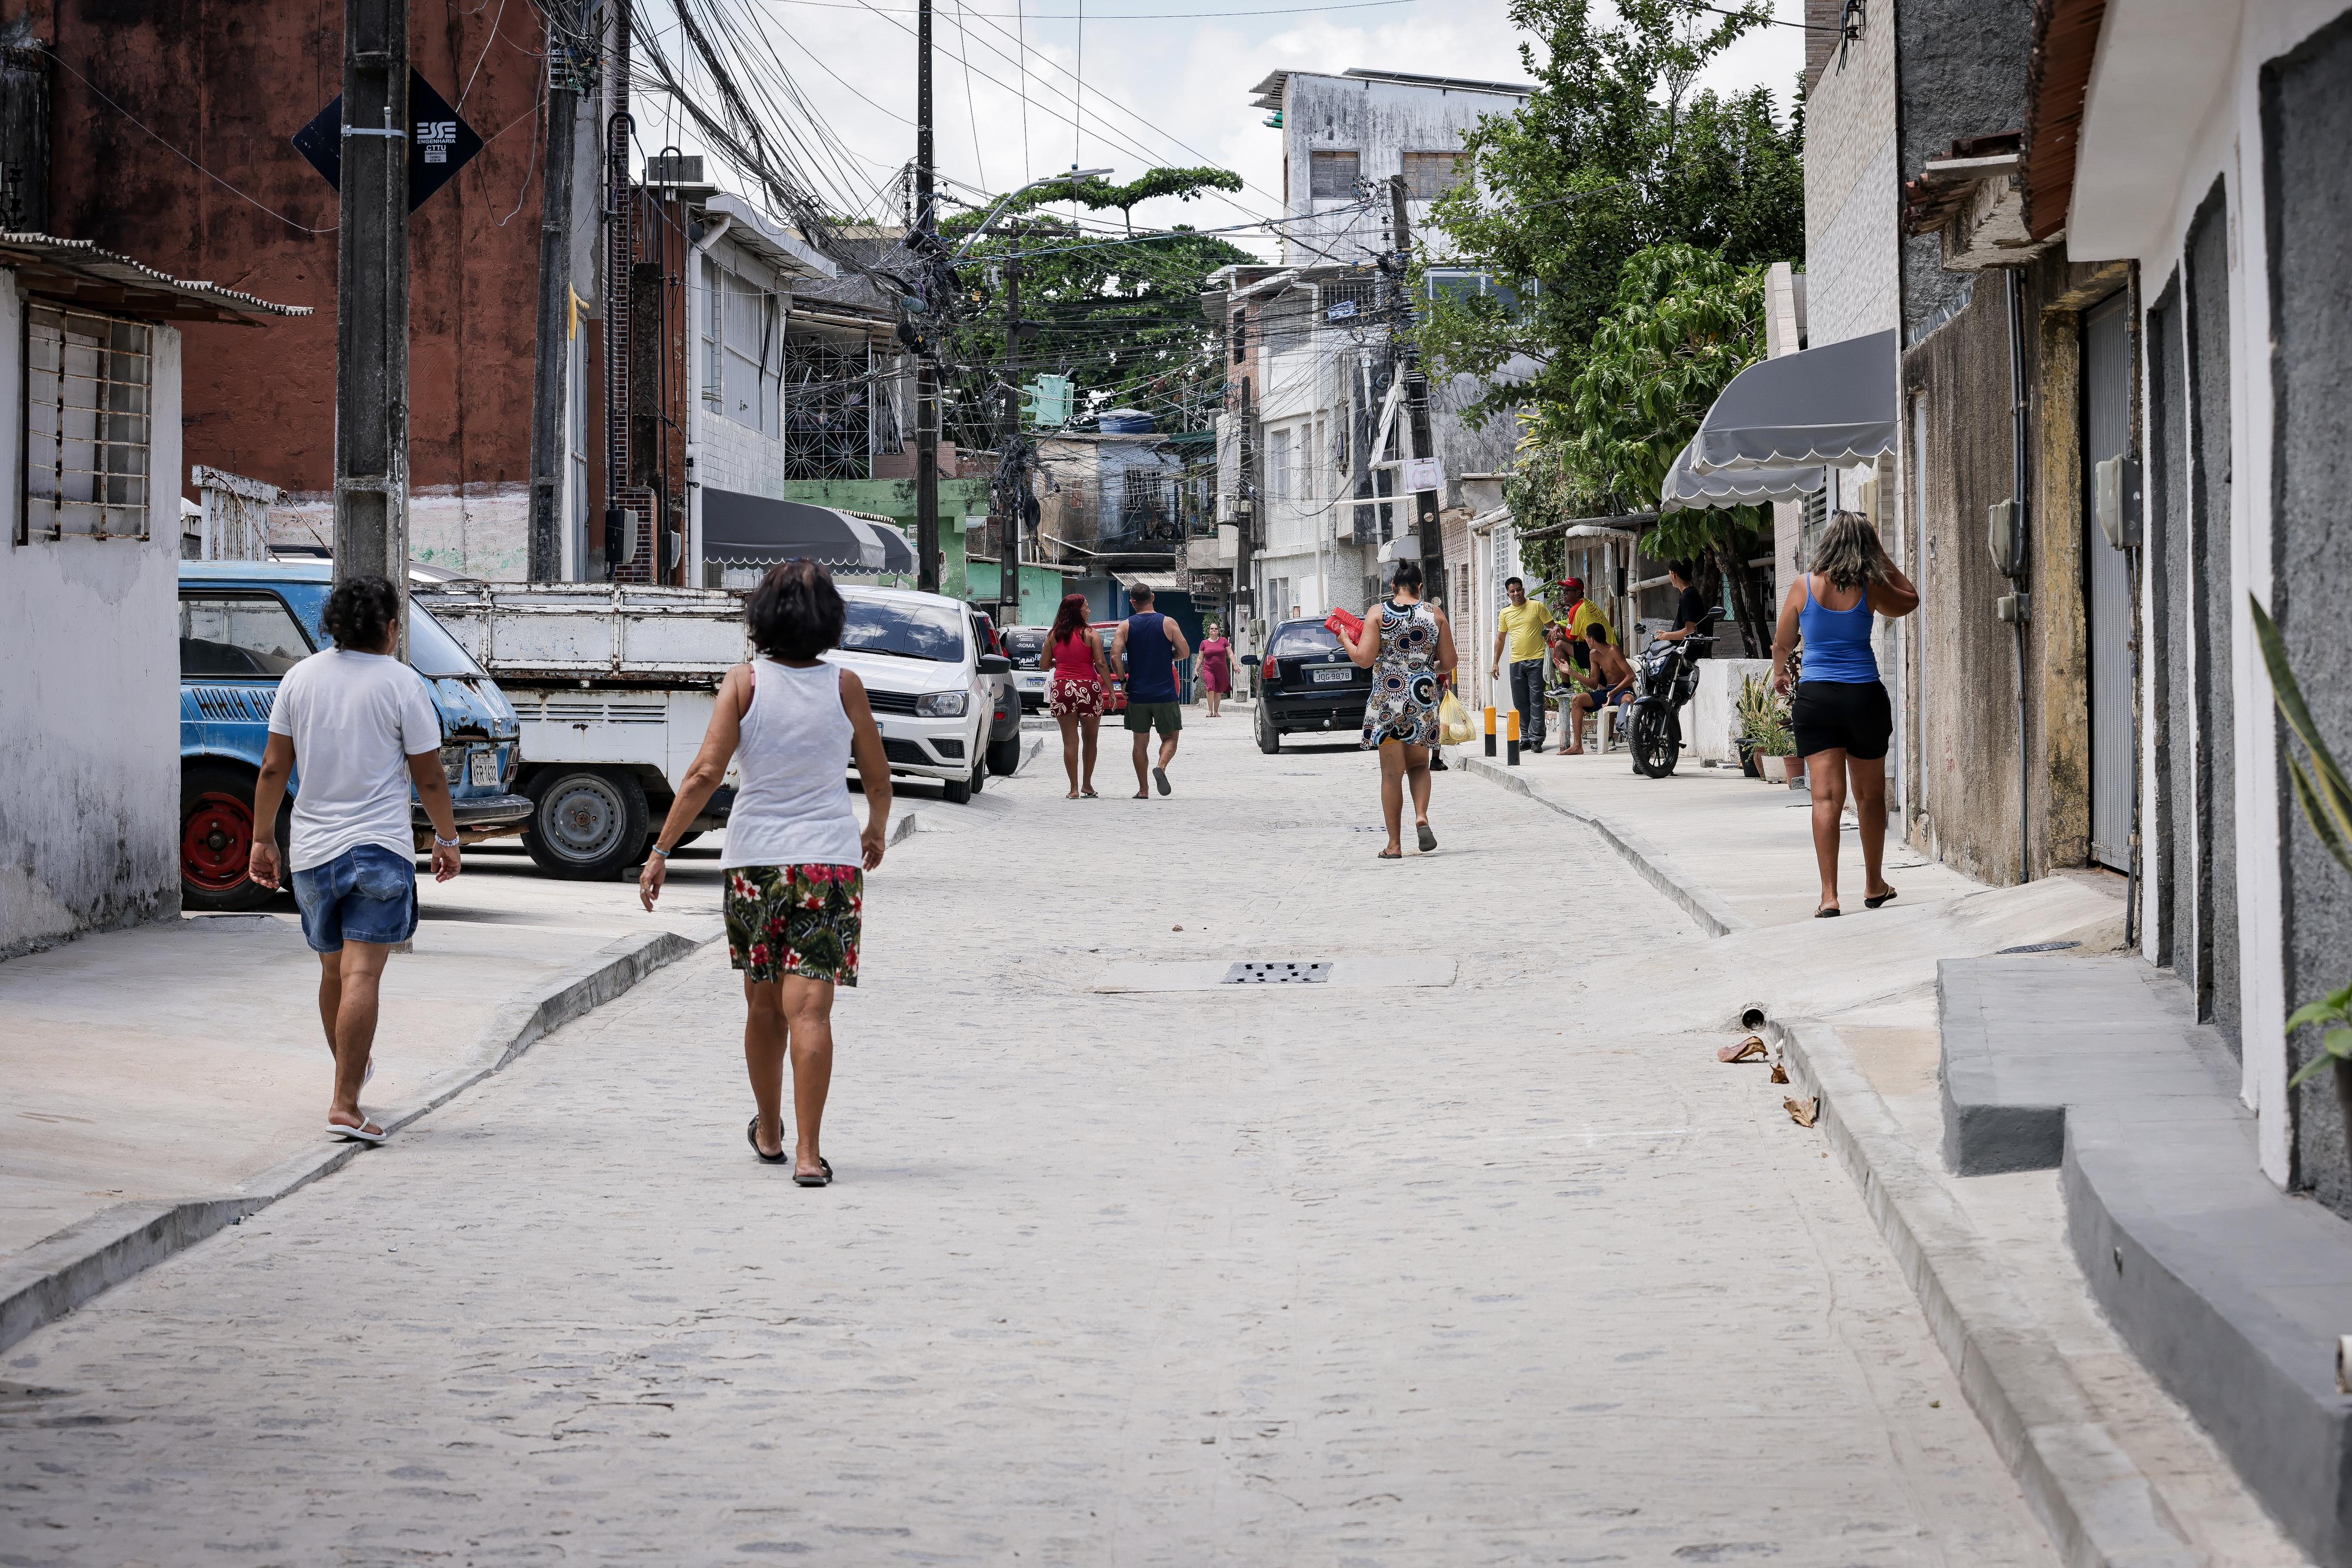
(1146, 650)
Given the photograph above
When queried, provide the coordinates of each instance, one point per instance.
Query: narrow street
(1508, 1270)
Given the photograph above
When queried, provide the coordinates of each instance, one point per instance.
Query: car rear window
(1304, 642)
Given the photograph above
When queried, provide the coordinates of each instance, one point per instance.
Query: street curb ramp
(2100, 1509)
(59, 1272)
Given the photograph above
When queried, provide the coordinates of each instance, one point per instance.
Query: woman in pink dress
(1216, 667)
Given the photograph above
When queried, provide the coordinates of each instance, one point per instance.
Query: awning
(76, 270)
(898, 555)
(759, 529)
(1158, 581)
(1831, 404)
(1685, 490)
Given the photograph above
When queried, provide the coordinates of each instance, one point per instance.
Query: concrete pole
(620, 258)
(1425, 526)
(371, 300)
(927, 370)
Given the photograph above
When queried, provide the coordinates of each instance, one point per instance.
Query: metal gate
(2106, 433)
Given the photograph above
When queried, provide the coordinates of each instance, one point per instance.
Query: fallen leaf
(1780, 1074)
(1175, 928)
(1802, 1112)
(1753, 1046)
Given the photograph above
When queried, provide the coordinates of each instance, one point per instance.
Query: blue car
(245, 624)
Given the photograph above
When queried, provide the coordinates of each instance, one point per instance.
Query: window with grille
(1331, 173)
(1429, 175)
(828, 408)
(89, 402)
(743, 351)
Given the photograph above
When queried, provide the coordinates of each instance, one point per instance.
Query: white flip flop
(359, 1135)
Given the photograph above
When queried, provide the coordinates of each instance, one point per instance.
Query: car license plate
(482, 769)
(1332, 676)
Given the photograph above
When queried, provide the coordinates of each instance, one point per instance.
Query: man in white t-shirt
(361, 725)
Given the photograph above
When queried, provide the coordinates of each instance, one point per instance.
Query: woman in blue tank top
(1841, 712)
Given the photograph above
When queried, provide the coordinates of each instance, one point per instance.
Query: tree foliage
(1614, 153)
(1118, 314)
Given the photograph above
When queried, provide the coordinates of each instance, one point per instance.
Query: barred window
(1331, 173)
(1429, 175)
(88, 391)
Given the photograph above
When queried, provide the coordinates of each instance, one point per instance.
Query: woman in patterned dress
(1408, 645)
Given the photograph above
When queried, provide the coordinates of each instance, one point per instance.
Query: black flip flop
(1428, 839)
(1826, 912)
(825, 1180)
(1384, 855)
(752, 1132)
(1885, 897)
(1160, 776)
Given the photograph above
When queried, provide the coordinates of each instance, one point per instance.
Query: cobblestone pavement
(1496, 1273)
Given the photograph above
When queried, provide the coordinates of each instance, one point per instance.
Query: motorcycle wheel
(1656, 750)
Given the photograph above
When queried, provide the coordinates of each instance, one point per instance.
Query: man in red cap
(1577, 617)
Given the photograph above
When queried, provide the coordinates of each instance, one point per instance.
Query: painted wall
(1379, 122)
(1963, 65)
(1852, 185)
(234, 82)
(90, 780)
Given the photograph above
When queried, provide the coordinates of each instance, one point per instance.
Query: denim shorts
(367, 894)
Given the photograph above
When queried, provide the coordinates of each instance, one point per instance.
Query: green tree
(1119, 314)
(1613, 154)
(1683, 323)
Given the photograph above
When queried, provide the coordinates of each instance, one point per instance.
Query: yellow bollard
(1490, 729)
(1512, 759)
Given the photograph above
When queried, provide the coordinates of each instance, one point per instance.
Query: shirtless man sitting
(1608, 679)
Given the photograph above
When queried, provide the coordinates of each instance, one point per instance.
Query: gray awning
(1685, 490)
(1832, 405)
(898, 555)
(756, 529)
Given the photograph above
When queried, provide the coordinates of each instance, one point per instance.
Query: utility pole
(1012, 462)
(927, 370)
(1406, 359)
(371, 300)
(552, 354)
(621, 531)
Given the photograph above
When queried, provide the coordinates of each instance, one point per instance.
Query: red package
(1347, 625)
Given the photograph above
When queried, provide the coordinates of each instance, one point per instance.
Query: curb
(61, 1271)
(1697, 900)
(2099, 1508)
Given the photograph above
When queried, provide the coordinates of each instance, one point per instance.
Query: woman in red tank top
(1075, 692)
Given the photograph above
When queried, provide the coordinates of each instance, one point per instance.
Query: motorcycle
(1665, 677)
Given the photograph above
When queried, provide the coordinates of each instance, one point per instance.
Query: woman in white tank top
(796, 859)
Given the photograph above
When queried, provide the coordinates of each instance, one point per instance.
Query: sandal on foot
(1886, 897)
(1826, 912)
(1160, 776)
(752, 1131)
(367, 1132)
(1428, 840)
(802, 1178)
(1390, 855)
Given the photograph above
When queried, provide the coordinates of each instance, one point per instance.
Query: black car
(1026, 646)
(1004, 746)
(1308, 683)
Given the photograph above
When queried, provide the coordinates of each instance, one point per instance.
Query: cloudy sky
(1164, 82)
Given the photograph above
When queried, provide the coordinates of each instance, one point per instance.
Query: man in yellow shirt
(1521, 625)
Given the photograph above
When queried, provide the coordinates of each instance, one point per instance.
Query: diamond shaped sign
(439, 142)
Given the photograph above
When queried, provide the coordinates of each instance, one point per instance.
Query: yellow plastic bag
(1454, 728)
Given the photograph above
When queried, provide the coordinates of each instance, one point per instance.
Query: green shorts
(1144, 717)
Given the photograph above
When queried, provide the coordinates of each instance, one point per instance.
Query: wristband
(656, 848)
(445, 843)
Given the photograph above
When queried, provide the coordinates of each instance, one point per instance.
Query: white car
(934, 689)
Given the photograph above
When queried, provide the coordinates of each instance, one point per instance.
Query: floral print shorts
(795, 920)
(1066, 698)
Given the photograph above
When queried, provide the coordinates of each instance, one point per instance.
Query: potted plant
(1765, 735)
(2326, 802)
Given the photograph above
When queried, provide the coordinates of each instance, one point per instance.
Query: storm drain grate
(2038, 948)
(1279, 974)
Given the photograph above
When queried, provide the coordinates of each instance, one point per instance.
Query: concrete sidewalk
(2118, 1470)
(1748, 842)
(173, 1077)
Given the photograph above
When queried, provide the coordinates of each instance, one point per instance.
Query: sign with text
(439, 142)
(1425, 474)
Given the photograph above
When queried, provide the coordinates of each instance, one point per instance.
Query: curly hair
(361, 613)
(1848, 554)
(795, 613)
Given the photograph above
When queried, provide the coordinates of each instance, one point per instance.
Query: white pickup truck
(614, 684)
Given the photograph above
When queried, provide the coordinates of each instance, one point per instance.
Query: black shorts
(1851, 716)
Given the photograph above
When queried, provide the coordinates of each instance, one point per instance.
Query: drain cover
(2038, 948)
(1279, 974)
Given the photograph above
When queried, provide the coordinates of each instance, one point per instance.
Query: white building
(89, 417)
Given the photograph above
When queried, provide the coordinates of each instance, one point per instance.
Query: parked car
(1308, 683)
(243, 624)
(1026, 646)
(930, 679)
(1004, 703)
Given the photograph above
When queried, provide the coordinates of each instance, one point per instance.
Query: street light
(1072, 178)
